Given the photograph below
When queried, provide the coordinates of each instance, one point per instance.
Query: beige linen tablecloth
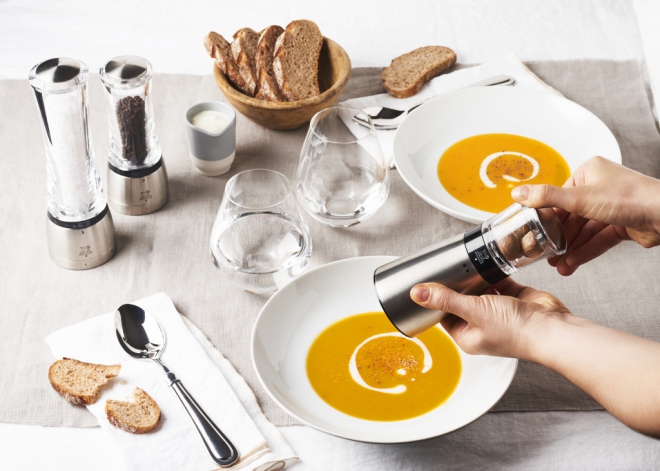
(168, 250)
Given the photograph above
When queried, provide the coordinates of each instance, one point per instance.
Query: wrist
(545, 341)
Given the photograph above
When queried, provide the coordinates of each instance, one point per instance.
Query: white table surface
(169, 33)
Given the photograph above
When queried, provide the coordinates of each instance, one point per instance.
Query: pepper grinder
(468, 263)
(137, 179)
(80, 231)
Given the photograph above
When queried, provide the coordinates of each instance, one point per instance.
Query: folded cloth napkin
(216, 386)
(508, 64)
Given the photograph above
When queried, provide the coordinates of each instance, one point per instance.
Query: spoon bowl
(139, 334)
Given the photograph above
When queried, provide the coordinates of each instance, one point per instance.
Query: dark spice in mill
(131, 117)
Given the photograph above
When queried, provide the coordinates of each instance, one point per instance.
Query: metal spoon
(384, 118)
(141, 336)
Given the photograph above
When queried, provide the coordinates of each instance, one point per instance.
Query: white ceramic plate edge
(483, 215)
(349, 436)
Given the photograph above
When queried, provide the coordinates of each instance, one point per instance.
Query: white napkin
(508, 64)
(214, 383)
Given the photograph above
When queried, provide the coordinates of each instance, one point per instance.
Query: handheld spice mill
(137, 179)
(80, 230)
(468, 263)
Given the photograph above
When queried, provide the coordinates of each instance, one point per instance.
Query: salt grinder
(137, 179)
(468, 263)
(80, 230)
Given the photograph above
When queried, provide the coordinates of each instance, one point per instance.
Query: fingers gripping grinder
(468, 263)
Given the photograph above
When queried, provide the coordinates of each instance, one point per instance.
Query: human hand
(503, 322)
(619, 370)
(601, 205)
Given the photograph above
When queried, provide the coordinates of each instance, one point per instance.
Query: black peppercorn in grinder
(468, 263)
(137, 179)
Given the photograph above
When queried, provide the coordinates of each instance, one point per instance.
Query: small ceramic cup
(211, 154)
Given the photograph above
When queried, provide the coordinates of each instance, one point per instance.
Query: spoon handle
(500, 80)
(222, 451)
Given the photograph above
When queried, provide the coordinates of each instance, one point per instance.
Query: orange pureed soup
(480, 171)
(362, 366)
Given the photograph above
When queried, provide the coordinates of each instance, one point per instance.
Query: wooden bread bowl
(334, 71)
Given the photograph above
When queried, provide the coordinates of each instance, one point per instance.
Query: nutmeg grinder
(468, 263)
(137, 179)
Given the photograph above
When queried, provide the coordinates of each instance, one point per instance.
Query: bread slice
(80, 382)
(267, 88)
(408, 73)
(220, 50)
(296, 60)
(244, 50)
(141, 415)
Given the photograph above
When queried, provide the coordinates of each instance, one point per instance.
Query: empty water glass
(260, 241)
(341, 178)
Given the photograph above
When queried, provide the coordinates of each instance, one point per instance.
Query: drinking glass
(341, 178)
(259, 240)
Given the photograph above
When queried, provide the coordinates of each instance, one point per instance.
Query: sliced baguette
(267, 88)
(80, 382)
(408, 73)
(296, 60)
(244, 50)
(220, 50)
(141, 415)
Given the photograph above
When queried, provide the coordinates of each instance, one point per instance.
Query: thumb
(569, 199)
(440, 298)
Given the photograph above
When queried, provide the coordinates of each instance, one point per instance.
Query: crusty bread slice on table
(138, 416)
(408, 73)
(244, 50)
(296, 60)
(80, 382)
(267, 88)
(220, 50)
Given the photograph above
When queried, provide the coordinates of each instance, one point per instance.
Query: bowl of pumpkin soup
(463, 152)
(327, 354)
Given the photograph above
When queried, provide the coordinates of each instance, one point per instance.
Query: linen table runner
(169, 250)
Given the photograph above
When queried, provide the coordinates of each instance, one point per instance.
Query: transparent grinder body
(468, 263)
(80, 230)
(137, 179)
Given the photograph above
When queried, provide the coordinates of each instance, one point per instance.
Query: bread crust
(434, 69)
(141, 398)
(267, 88)
(110, 371)
(245, 42)
(220, 50)
(280, 56)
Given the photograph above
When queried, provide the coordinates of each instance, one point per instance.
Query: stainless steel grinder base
(138, 192)
(84, 245)
(447, 262)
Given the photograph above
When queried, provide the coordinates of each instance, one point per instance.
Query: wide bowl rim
(340, 83)
(354, 437)
(408, 123)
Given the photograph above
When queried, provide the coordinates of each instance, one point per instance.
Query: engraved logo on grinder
(144, 195)
(86, 251)
(481, 256)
